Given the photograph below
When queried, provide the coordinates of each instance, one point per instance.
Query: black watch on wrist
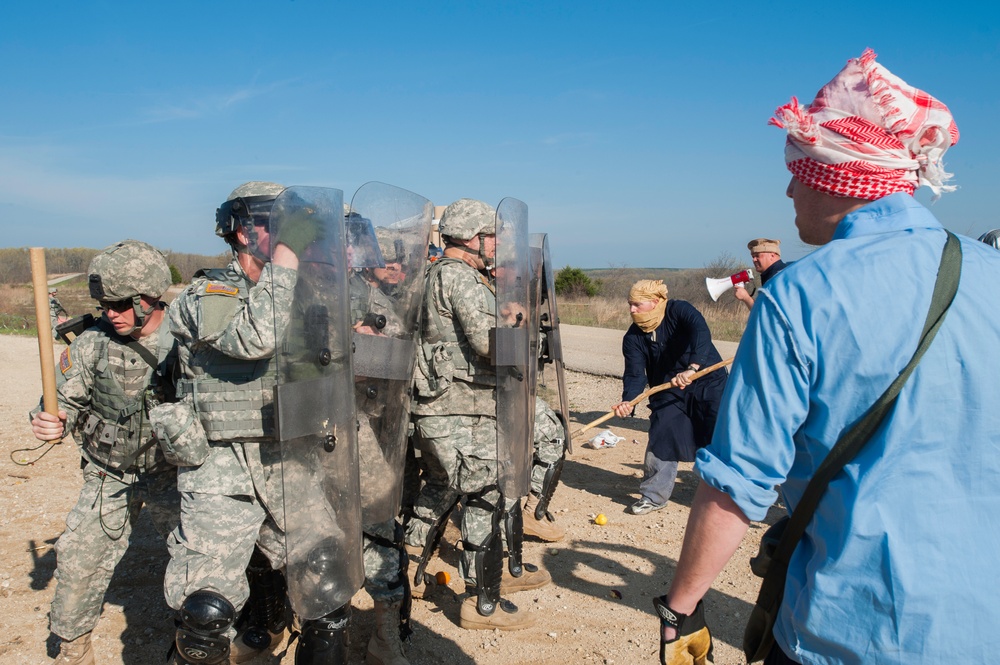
(668, 616)
(684, 624)
(693, 368)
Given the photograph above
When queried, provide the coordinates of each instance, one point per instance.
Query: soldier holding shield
(265, 430)
(386, 226)
(456, 410)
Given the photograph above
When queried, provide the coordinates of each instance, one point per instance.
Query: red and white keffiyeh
(868, 134)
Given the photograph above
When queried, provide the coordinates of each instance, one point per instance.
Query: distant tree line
(597, 297)
(15, 265)
(614, 282)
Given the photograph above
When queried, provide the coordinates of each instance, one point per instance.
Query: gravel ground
(597, 610)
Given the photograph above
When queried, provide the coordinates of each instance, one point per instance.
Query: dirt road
(598, 609)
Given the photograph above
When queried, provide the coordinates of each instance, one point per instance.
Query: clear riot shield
(551, 344)
(314, 402)
(535, 337)
(385, 301)
(510, 350)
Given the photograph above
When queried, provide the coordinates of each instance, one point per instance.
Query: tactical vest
(234, 398)
(445, 355)
(118, 424)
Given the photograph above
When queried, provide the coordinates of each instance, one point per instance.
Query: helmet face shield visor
(362, 245)
(243, 212)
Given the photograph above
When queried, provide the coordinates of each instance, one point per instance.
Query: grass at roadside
(17, 305)
(724, 320)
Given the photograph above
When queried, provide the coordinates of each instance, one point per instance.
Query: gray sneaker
(644, 505)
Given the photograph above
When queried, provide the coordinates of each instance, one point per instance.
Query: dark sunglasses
(116, 305)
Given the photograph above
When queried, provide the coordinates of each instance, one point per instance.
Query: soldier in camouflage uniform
(229, 323)
(374, 313)
(455, 411)
(549, 444)
(57, 313)
(112, 374)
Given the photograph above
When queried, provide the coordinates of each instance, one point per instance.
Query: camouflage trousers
(96, 538)
(459, 454)
(549, 442)
(384, 575)
(222, 517)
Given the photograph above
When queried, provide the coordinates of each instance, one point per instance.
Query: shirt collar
(896, 212)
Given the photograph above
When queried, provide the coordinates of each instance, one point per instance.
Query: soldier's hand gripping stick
(46, 357)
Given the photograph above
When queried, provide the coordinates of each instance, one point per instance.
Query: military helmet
(127, 269)
(248, 203)
(391, 244)
(362, 242)
(466, 218)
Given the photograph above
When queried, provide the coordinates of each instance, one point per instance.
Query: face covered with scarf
(868, 134)
(647, 300)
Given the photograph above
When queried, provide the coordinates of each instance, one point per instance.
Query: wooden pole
(39, 282)
(650, 391)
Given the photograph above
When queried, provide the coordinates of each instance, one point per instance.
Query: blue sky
(635, 132)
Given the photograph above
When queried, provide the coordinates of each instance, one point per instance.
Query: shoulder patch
(64, 361)
(222, 289)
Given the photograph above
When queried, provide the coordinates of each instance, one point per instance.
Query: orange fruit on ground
(442, 578)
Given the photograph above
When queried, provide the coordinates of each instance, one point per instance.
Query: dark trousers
(778, 657)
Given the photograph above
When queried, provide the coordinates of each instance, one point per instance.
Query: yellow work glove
(693, 644)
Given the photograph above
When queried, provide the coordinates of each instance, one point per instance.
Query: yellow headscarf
(649, 289)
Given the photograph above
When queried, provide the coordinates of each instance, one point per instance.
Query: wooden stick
(650, 391)
(46, 356)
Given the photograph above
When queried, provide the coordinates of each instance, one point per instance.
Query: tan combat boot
(76, 652)
(530, 579)
(471, 619)
(385, 647)
(544, 528)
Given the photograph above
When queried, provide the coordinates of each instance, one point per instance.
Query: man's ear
(241, 236)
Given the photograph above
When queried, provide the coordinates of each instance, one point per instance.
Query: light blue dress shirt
(901, 562)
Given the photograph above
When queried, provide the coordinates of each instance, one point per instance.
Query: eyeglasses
(116, 305)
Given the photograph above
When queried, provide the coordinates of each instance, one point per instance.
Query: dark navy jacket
(681, 339)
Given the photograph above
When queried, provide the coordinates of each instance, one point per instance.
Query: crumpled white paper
(605, 439)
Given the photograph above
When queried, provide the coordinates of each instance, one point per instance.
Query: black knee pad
(488, 559)
(549, 483)
(513, 522)
(324, 641)
(201, 637)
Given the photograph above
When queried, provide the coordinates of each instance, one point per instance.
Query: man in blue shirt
(898, 564)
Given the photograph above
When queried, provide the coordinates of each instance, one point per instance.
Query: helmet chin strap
(488, 263)
(253, 246)
(478, 253)
(140, 314)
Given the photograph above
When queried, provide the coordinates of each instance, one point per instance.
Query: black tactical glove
(300, 230)
(693, 644)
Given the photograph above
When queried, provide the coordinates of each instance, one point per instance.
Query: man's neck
(252, 266)
(465, 255)
(150, 325)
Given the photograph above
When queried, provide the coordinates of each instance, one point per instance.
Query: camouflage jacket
(107, 385)
(368, 303)
(454, 375)
(229, 330)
